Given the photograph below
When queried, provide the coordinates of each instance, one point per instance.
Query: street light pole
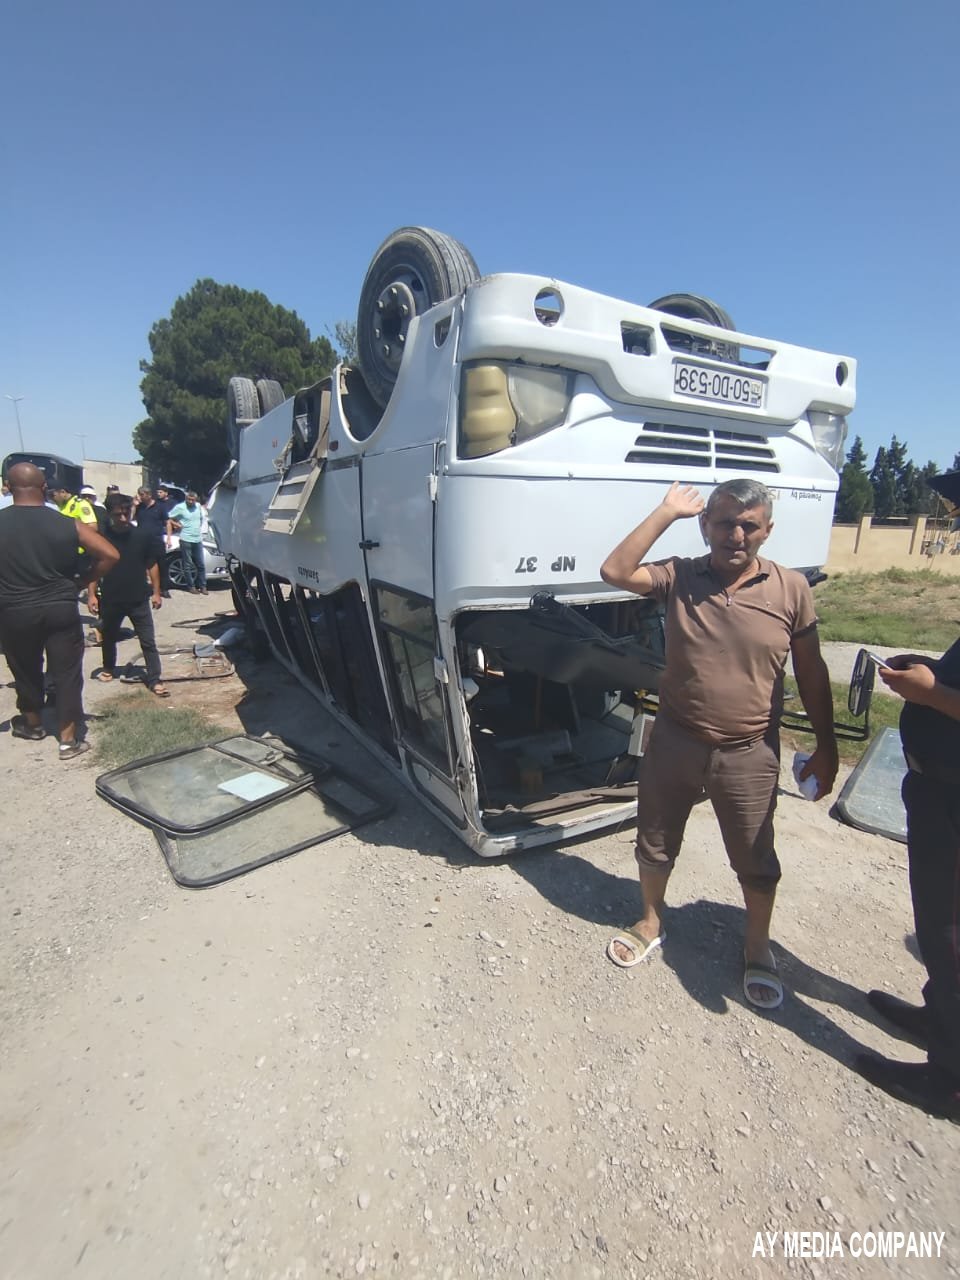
(16, 408)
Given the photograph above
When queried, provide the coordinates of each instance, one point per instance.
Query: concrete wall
(128, 475)
(917, 544)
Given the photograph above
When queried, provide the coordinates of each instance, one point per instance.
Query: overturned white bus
(420, 537)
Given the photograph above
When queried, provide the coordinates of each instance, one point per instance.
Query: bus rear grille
(663, 444)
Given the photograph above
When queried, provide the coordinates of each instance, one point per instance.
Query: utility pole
(83, 446)
(16, 408)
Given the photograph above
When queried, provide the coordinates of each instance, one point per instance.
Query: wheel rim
(177, 575)
(396, 307)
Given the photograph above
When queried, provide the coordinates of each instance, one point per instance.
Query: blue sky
(796, 162)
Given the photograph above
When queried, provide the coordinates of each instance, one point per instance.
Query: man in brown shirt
(731, 619)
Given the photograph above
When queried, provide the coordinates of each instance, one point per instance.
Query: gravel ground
(384, 1055)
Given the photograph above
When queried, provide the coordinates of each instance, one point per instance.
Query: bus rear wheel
(691, 306)
(270, 393)
(243, 407)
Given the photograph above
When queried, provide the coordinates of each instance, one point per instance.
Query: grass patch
(898, 609)
(884, 713)
(137, 726)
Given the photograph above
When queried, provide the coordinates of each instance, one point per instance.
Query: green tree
(883, 478)
(855, 495)
(956, 463)
(898, 462)
(212, 333)
(857, 454)
(931, 498)
(918, 498)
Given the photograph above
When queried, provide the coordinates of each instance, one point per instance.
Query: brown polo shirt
(726, 652)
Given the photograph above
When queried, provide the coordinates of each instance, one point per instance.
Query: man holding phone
(930, 733)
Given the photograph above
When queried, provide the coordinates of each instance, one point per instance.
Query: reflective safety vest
(79, 509)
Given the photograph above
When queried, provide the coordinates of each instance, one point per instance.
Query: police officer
(73, 505)
(99, 510)
(930, 732)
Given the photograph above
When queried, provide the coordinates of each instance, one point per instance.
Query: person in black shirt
(930, 733)
(150, 512)
(128, 594)
(40, 570)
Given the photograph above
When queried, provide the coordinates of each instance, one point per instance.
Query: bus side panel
(324, 553)
(398, 518)
(263, 441)
(502, 539)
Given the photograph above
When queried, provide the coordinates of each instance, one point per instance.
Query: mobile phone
(875, 657)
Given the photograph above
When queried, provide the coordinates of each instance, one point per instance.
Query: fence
(918, 543)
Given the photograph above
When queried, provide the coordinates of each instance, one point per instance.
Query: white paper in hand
(808, 787)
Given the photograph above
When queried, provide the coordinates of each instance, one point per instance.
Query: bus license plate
(717, 384)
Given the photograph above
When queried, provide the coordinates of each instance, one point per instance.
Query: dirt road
(384, 1055)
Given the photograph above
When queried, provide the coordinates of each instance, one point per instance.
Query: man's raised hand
(682, 501)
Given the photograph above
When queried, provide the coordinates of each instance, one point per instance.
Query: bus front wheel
(413, 270)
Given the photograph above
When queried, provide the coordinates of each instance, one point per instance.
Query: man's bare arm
(813, 682)
(153, 573)
(101, 555)
(623, 567)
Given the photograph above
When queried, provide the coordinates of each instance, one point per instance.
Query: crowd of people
(56, 548)
(732, 618)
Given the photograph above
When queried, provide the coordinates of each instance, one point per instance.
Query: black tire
(243, 407)
(242, 402)
(690, 306)
(413, 270)
(270, 393)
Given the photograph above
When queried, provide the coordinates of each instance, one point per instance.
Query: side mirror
(861, 684)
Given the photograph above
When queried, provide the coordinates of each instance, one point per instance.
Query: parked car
(214, 562)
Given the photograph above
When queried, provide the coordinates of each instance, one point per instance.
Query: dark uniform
(931, 796)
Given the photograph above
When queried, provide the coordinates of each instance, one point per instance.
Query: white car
(214, 562)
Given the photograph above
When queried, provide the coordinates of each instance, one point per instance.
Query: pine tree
(858, 454)
(855, 494)
(898, 463)
(884, 481)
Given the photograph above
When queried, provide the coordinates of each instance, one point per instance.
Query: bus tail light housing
(829, 434)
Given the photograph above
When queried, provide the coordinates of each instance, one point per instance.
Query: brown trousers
(741, 782)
